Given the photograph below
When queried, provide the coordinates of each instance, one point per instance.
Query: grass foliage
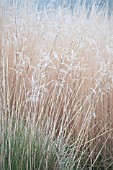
(56, 90)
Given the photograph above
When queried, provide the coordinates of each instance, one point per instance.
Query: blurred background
(101, 5)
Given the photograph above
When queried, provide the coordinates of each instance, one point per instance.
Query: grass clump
(56, 90)
(24, 149)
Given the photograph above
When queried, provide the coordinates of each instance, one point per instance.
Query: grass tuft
(56, 90)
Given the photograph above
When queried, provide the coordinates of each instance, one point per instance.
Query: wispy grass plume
(56, 90)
